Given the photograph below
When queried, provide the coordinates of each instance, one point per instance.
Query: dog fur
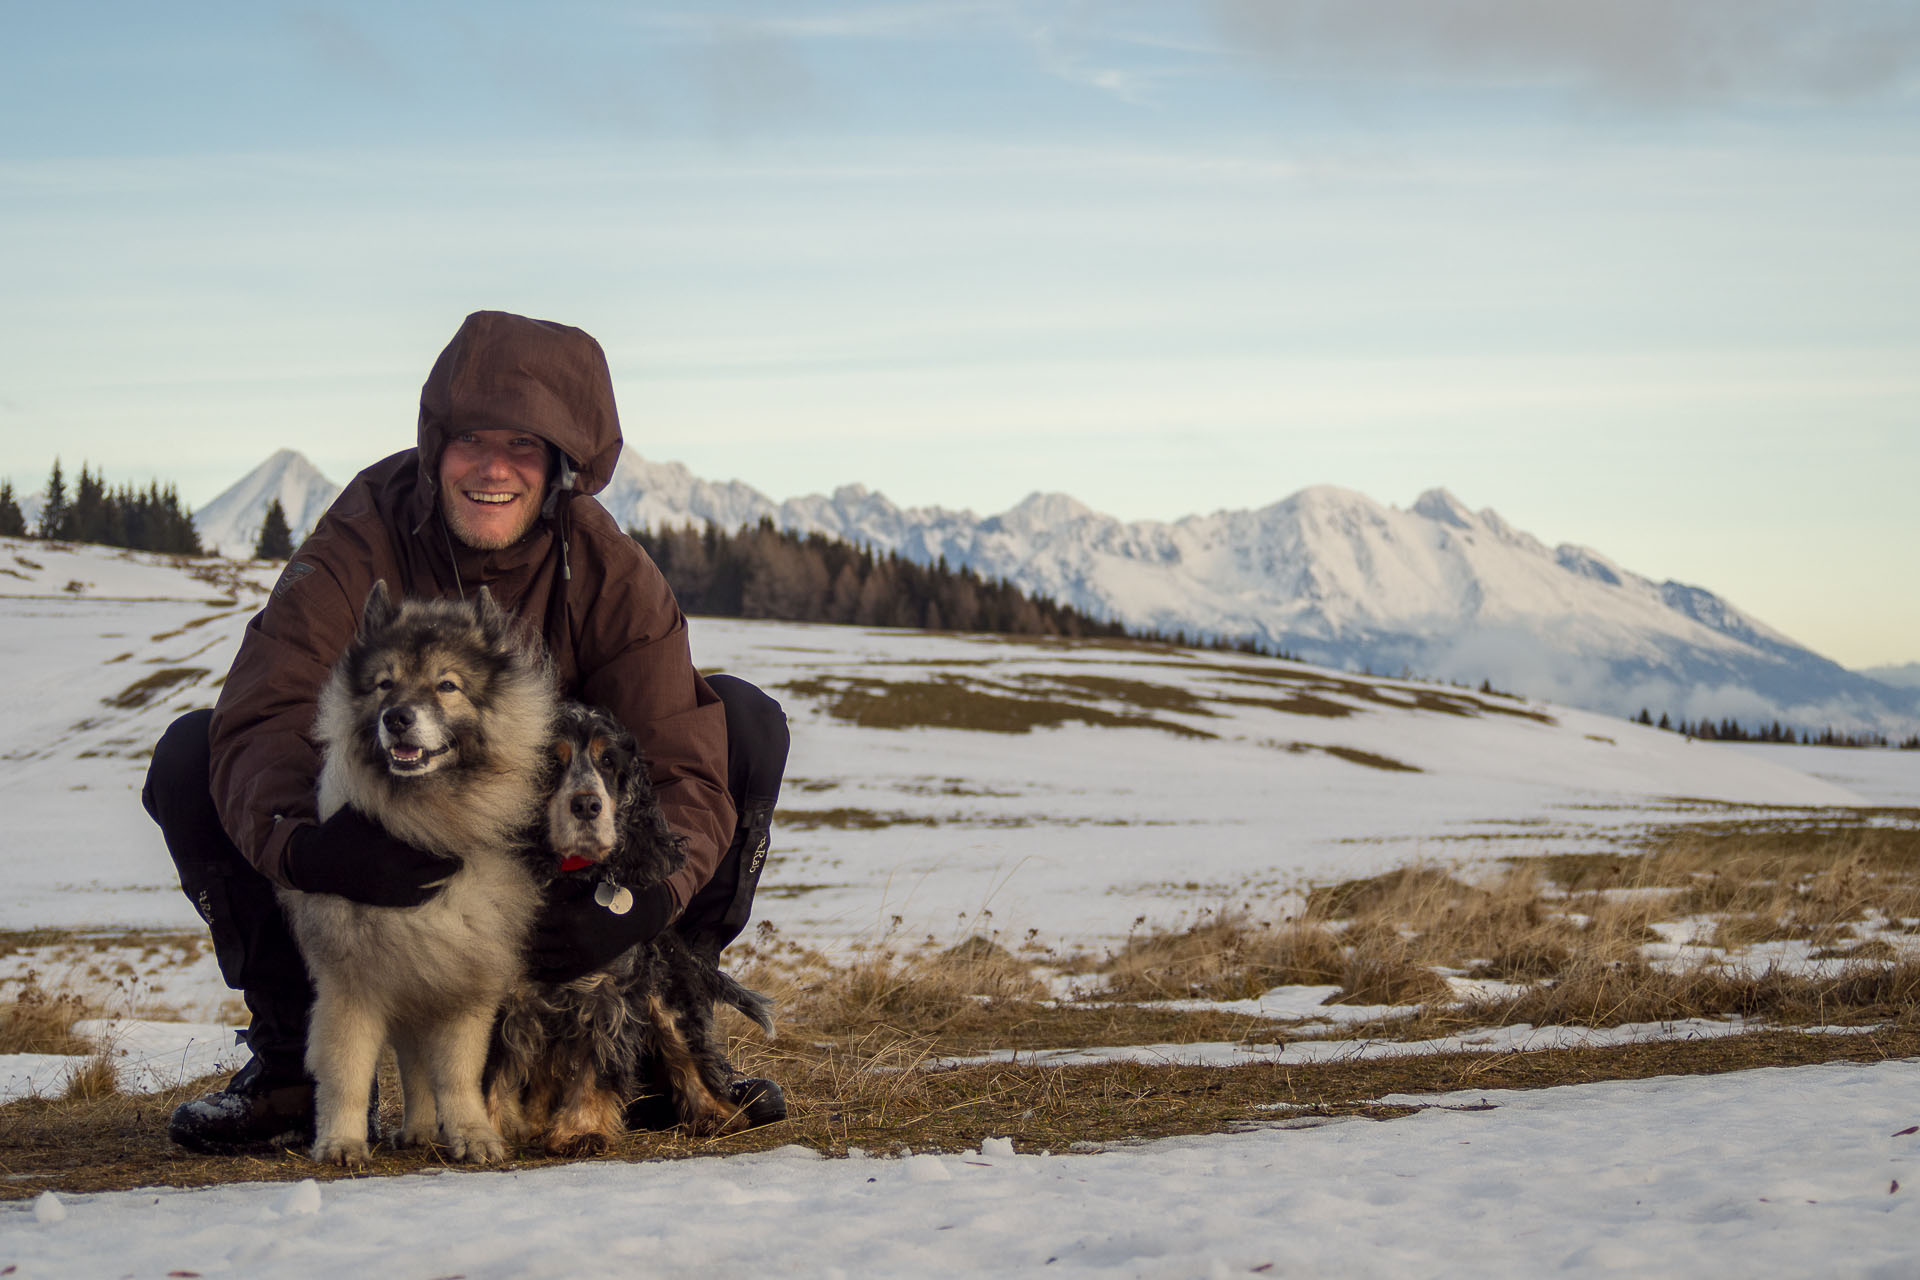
(435, 723)
(569, 1057)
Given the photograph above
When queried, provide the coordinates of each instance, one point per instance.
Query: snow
(1888, 777)
(1078, 832)
(1810, 1171)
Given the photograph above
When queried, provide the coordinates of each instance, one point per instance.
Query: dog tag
(613, 898)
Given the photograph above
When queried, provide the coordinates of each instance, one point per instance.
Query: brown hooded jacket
(616, 635)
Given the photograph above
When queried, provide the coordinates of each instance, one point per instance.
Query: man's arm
(264, 761)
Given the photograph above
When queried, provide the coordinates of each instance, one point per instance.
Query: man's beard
(456, 518)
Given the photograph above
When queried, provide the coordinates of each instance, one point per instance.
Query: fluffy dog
(435, 723)
(569, 1057)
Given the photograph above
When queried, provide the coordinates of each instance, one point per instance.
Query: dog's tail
(748, 1001)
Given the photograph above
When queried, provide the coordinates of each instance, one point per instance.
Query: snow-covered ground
(1244, 781)
(1813, 1171)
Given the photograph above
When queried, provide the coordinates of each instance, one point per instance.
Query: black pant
(255, 948)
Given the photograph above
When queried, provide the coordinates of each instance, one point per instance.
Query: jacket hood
(504, 370)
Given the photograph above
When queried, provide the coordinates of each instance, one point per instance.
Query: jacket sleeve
(635, 661)
(263, 757)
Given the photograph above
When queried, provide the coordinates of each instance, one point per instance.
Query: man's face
(492, 482)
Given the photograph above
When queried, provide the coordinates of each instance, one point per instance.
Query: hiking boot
(763, 1101)
(259, 1111)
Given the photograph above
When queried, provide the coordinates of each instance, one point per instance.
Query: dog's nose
(585, 806)
(397, 719)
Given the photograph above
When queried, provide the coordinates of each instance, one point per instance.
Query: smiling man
(517, 432)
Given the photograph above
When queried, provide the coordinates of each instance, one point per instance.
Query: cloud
(345, 48)
(751, 75)
(1070, 40)
(1648, 51)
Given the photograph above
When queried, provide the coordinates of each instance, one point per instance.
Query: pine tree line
(1730, 730)
(766, 572)
(144, 520)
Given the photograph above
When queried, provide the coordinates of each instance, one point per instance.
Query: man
(517, 431)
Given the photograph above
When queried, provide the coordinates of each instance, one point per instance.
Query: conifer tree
(276, 540)
(12, 523)
(53, 513)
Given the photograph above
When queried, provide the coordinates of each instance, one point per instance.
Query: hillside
(928, 769)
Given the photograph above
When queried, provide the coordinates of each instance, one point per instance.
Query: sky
(1638, 276)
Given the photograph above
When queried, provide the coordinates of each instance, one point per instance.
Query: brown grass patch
(1353, 755)
(155, 685)
(1222, 958)
(92, 1080)
(39, 1021)
(953, 702)
(848, 819)
(1145, 694)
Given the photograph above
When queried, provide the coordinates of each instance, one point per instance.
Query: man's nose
(493, 460)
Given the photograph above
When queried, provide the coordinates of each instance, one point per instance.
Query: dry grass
(937, 993)
(38, 1021)
(155, 685)
(860, 1038)
(1573, 931)
(1223, 958)
(1373, 760)
(954, 702)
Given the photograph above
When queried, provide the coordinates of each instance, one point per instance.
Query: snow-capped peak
(230, 523)
(1438, 504)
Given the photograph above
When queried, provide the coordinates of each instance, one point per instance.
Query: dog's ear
(378, 611)
(502, 628)
(494, 621)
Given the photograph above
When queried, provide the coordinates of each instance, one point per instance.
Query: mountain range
(1328, 575)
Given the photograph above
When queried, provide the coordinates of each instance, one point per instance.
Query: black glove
(352, 855)
(573, 935)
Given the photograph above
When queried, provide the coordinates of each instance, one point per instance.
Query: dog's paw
(575, 1145)
(476, 1144)
(349, 1153)
(417, 1135)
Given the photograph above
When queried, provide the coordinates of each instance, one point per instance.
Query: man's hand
(352, 855)
(574, 935)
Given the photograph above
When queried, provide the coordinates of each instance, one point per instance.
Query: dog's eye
(447, 686)
(383, 684)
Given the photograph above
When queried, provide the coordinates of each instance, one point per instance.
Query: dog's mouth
(581, 854)
(410, 760)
